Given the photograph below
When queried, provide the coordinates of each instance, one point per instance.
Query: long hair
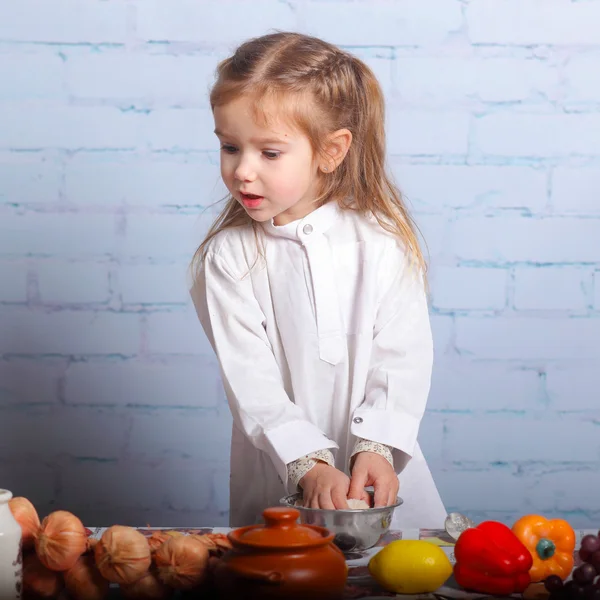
(321, 89)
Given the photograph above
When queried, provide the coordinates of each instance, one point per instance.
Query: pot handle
(273, 577)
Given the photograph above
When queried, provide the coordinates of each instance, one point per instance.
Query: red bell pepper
(492, 560)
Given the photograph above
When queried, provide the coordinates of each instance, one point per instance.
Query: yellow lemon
(410, 567)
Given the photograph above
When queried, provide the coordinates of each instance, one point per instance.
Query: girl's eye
(228, 148)
(271, 154)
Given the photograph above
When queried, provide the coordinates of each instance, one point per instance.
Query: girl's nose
(245, 171)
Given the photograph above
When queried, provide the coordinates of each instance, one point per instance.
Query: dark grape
(595, 560)
(574, 590)
(585, 556)
(584, 574)
(591, 592)
(590, 543)
(553, 583)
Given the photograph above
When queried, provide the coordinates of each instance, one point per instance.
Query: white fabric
(323, 339)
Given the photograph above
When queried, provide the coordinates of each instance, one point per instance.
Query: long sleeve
(399, 375)
(233, 322)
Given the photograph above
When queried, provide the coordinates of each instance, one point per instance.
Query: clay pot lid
(281, 530)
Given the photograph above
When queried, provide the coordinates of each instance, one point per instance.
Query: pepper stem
(545, 548)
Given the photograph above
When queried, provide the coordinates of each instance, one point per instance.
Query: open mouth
(251, 200)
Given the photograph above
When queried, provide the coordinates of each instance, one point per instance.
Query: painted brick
(189, 435)
(176, 333)
(551, 288)
(63, 283)
(528, 22)
(162, 236)
(510, 134)
(66, 235)
(176, 383)
(69, 127)
(177, 129)
(561, 488)
(143, 182)
(535, 338)
(153, 284)
(381, 64)
(469, 288)
(391, 23)
(437, 186)
(437, 81)
(232, 23)
(78, 432)
(575, 190)
(141, 489)
(34, 482)
(493, 489)
(414, 132)
(221, 487)
(530, 240)
(443, 332)
(580, 87)
(24, 382)
(68, 21)
(13, 282)
(462, 384)
(573, 387)
(37, 181)
(31, 76)
(157, 517)
(485, 439)
(154, 78)
(68, 332)
(433, 233)
(431, 436)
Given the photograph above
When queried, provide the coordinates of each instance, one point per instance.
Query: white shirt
(323, 339)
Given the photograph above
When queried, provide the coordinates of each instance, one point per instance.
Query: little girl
(310, 288)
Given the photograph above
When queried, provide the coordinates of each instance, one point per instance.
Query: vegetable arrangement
(60, 560)
(495, 559)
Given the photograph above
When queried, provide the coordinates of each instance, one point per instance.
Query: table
(361, 586)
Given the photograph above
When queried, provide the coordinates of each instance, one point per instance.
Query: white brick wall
(108, 173)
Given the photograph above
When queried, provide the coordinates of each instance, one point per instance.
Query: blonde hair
(323, 89)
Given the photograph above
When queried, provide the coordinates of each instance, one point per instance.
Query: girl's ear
(336, 148)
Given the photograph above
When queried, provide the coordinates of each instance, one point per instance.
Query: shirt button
(357, 420)
(307, 229)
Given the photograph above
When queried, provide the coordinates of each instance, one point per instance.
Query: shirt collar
(318, 221)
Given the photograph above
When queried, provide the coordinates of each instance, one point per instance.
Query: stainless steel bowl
(354, 529)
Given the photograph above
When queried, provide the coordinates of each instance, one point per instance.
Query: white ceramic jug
(11, 559)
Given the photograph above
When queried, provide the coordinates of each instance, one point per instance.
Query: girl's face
(271, 170)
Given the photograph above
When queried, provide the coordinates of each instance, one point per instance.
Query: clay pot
(281, 559)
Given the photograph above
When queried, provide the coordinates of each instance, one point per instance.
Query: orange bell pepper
(551, 543)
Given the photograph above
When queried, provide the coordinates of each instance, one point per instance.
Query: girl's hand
(373, 469)
(325, 487)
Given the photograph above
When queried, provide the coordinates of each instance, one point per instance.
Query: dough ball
(357, 504)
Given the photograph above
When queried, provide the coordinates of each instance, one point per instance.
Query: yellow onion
(159, 537)
(26, 516)
(149, 587)
(38, 580)
(122, 555)
(216, 543)
(84, 582)
(182, 562)
(61, 541)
